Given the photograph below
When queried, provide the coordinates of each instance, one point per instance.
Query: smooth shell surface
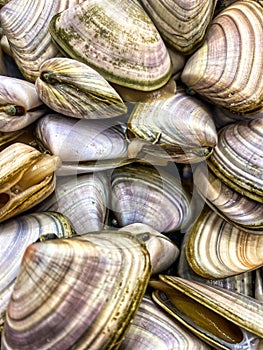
(81, 140)
(163, 252)
(180, 125)
(144, 194)
(242, 310)
(27, 178)
(217, 249)
(227, 69)
(77, 293)
(153, 329)
(75, 89)
(123, 46)
(83, 199)
(19, 104)
(182, 23)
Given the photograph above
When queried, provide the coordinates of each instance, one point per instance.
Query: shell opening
(49, 78)
(4, 198)
(13, 110)
(198, 316)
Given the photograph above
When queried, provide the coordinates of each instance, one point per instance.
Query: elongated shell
(217, 249)
(123, 46)
(83, 199)
(25, 24)
(80, 292)
(214, 314)
(144, 194)
(243, 212)
(16, 235)
(181, 125)
(81, 140)
(238, 158)
(163, 252)
(182, 23)
(153, 329)
(74, 89)
(27, 178)
(227, 69)
(19, 104)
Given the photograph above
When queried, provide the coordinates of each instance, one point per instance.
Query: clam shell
(238, 157)
(74, 89)
(153, 329)
(123, 46)
(242, 283)
(27, 178)
(25, 24)
(243, 212)
(163, 252)
(19, 104)
(148, 195)
(182, 24)
(227, 69)
(80, 292)
(81, 140)
(180, 125)
(217, 249)
(214, 314)
(259, 284)
(83, 199)
(16, 235)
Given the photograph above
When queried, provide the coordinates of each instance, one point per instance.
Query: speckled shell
(122, 45)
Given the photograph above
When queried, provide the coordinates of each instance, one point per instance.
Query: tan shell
(27, 177)
(227, 69)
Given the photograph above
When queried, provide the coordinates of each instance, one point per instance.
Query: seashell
(163, 252)
(80, 141)
(123, 46)
(27, 178)
(217, 249)
(16, 235)
(237, 159)
(182, 24)
(181, 125)
(242, 283)
(148, 195)
(19, 104)
(132, 95)
(80, 292)
(223, 117)
(243, 212)
(226, 69)
(222, 318)
(74, 89)
(152, 329)
(83, 199)
(25, 24)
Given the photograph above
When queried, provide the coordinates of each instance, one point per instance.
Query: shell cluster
(131, 174)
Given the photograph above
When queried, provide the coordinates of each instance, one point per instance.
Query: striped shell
(74, 89)
(123, 46)
(77, 293)
(181, 125)
(227, 69)
(217, 249)
(25, 24)
(182, 23)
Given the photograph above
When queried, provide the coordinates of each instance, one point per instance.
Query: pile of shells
(131, 174)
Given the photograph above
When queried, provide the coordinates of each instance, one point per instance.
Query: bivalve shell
(122, 45)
